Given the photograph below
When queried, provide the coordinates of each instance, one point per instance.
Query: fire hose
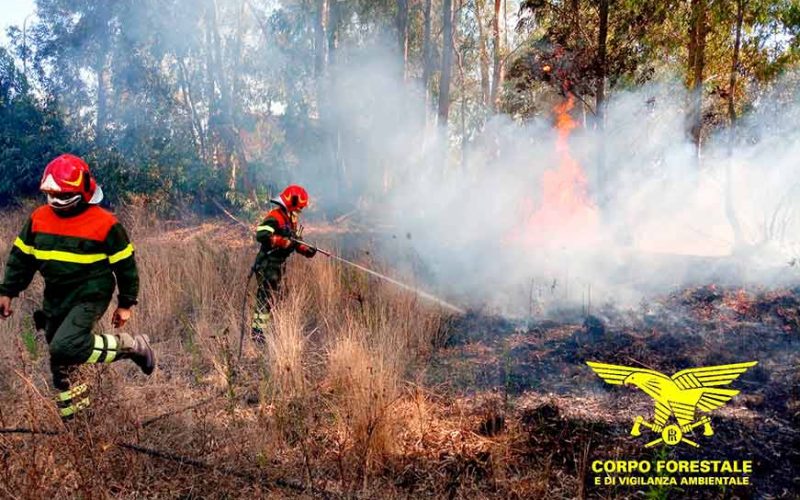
(393, 281)
(331, 255)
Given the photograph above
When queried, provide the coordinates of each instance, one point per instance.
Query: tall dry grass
(318, 401)
(337, 358)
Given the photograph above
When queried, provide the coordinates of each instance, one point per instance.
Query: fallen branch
(184, 460)
(257, 478)
(230, 215)
(181, 410)
(22, 430)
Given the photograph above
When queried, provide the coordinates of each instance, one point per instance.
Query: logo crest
(678, 397)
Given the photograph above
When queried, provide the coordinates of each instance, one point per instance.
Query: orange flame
(566, 213)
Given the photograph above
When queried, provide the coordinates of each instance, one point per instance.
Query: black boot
(137, 349)
(257, 334)
(143, 354)
(259, 326)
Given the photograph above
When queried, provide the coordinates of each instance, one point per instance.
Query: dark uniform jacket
(276, 223)
(78, 256)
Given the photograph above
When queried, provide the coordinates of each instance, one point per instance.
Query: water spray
(417, 291)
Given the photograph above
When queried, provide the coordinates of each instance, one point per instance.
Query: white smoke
(663, 223)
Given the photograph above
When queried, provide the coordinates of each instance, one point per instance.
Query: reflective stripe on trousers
(72, 401)
(260, 320)
(105, 349)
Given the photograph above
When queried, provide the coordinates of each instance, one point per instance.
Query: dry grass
(337, 402)
(331, 373)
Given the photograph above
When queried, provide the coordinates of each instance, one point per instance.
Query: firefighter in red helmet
(83, 254)
(276, 233)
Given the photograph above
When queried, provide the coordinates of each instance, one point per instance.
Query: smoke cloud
(468, 222)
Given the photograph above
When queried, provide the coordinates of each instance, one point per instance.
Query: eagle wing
(715, 398)
(710, 376)
(616, 374)
(662, 413)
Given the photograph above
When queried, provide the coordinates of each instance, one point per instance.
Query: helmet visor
(63, 201)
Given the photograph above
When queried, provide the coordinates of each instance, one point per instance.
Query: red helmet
(67, 175)
(294, 198)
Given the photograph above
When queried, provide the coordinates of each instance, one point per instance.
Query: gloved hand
(5, 307)
(306, 251)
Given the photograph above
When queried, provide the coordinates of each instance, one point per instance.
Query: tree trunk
(333, 32)
(575, 11)
(319, 37)
(600, 97)
(740, 5)
(402, 33)
(101, 73)
(215, 59)
(447, 62)
(497, 69)
(427, 57)
(505, 20)
(235, 146)
(197, 125)
(730, 210)
(697, 49)
(483, 53)
(211, 93)
(334, 136)
(102, 109)
(321, 42)
(600, 82)
(463, 112)
(224, 131)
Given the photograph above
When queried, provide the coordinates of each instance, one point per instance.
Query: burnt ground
(564, 416)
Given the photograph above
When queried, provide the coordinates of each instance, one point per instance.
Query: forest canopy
(184, 102)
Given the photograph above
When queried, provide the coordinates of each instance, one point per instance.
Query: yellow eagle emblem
(679, 396)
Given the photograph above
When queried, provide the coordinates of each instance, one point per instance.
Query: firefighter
(79, 248)
(276, 234)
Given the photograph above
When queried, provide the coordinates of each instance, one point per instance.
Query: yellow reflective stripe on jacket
(26, 249)
(122, 254)
(265, 228)
(74, 258)
(59, 255)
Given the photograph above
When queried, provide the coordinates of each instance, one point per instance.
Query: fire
(566, 213)
(741, 302)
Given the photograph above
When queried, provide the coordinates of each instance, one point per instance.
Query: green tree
(31, 133)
